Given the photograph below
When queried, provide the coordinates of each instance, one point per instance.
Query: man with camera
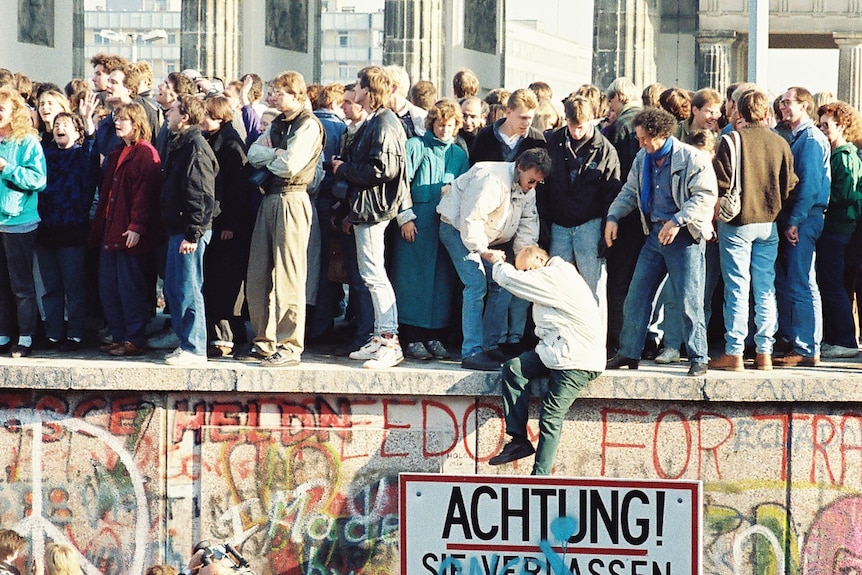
(216, 560)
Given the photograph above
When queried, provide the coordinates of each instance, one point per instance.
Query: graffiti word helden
(491, 525)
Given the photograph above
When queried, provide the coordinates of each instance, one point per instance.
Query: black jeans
(17, 287)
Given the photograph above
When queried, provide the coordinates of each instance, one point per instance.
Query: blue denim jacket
(811, 154)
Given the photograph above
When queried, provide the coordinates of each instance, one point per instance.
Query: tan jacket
(488, 207)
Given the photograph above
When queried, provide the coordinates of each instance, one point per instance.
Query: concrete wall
(44, 63)
(307, 483)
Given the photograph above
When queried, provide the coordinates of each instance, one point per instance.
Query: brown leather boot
(763, 361)
(727, 363)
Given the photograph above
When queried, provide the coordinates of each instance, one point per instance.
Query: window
(344, 40)
(345, 70)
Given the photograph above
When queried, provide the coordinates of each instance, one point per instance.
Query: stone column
(413, 38)
(80, 65)
(624, 41)
(714, 59)
(849, 68)
(209, 41)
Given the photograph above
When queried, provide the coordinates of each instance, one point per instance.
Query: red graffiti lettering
(818, 445)
(845, 448)
(686, 428)
(608, 413)
(222, 415)
(702, 418)
(52, 431)
(123, 414)
(184, 420)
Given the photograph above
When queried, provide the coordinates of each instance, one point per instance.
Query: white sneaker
(165, 340)
(389, 355)
(174, 353)
(834, 351)
(186, 359)
(369, 350)
(667, 355)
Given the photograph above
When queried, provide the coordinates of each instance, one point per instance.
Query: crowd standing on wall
(368, 220)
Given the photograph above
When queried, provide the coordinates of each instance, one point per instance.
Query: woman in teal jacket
(22, 175)
(423, 275)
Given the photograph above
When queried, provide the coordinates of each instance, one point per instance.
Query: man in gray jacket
(570, 353)
(673, 187)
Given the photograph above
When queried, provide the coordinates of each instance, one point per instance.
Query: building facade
(350, 41)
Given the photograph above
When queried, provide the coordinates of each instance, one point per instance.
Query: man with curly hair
(673, 187)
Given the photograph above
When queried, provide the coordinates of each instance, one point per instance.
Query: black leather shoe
(697, 369)
(480, 362)
(19, 350)
(515, 449)
(498, 354)
(619, 361)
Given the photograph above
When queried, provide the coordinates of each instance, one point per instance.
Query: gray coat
(694, 190)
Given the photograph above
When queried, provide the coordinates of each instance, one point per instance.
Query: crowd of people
(369, 218)
(64, 559)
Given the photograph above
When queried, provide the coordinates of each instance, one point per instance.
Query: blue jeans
(370, 259)
(184, 282)
(563, 388)
(683, 262)
(671, 318)
(64, 279)
(483, 323)
(838, 325)
(799, 309)
(748, 256)
(666, 318)
(579, 245)
(124, 289)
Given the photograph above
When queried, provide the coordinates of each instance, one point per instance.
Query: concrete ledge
(834, 380)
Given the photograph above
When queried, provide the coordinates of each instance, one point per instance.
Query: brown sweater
(767, 174)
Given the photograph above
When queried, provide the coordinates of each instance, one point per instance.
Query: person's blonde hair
(292, 81)
(527, 253)
(522, 97)
(61, 559)
(60, 98)
(624, 89)
(22, 123)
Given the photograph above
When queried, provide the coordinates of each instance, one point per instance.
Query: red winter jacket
(129, 200)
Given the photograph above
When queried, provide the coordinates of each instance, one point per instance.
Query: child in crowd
(61, 241)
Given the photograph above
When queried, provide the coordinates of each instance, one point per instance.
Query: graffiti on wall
(310, 485)
(80, 473)
(307, 484)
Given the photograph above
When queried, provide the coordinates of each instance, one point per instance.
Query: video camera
(213, 553)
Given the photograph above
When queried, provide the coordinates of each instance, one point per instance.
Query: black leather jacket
(374, 168)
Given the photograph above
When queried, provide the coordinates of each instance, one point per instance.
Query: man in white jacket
(570, 352)
(492, 206)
